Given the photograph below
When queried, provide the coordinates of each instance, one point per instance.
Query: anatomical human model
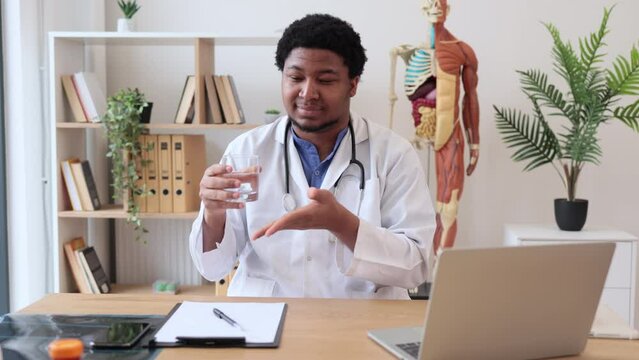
(434, 73)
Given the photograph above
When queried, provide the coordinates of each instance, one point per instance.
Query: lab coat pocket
(257, 287)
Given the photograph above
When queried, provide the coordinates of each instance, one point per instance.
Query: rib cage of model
(434, 73)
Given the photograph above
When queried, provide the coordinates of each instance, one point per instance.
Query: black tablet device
(120, 335)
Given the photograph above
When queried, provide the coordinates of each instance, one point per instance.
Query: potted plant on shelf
(129, 8)
(271, 115)
(592, 99)
(124, 128)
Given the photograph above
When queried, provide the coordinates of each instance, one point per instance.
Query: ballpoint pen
(226, 318)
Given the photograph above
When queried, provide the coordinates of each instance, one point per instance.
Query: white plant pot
(269, 118)
(126, 25)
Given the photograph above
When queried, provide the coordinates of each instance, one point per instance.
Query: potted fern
(124, 128)
(593, 98)
(129, 8)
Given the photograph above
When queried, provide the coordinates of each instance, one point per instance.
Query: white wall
(506, 35)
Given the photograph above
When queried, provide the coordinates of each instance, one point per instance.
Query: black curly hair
(323, 31)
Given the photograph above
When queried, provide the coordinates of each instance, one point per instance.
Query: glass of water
(246, 169)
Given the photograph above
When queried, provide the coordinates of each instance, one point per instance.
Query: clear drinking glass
(245, 169)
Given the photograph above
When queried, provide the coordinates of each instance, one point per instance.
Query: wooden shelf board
(148, 289)
(117, 212)
(77, 125)
(163, 38)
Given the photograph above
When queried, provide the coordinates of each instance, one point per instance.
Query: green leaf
(533, 140)
(591, 45)
(624, 79)
(629, 115)
(536, 84)
(568, 66)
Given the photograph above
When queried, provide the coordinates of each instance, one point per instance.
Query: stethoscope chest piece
(288, 202)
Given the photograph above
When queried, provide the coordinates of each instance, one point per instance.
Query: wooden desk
(314, 328)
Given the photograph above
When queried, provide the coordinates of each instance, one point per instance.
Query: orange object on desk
(66, 349)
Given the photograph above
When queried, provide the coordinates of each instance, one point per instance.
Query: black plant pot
(145, 117)
(571, 215)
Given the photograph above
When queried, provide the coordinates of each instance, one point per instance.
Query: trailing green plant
(272, 111)
(123, 128)
(593, 98)
(128, 7)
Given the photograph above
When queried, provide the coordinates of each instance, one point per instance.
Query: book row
(86, 268)
(223, 102)
(170, 179)
(88, 102)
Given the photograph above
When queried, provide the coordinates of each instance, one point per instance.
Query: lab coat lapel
(343, 155)
(339, 162)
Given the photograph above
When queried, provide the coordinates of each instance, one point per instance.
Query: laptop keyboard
(412, 348)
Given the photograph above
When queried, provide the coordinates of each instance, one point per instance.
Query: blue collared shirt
(314, 169)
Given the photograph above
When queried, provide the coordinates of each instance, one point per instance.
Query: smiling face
(435, 10)
(316, 90)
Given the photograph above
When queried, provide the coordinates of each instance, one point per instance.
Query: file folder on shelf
(189, 163)
(166, 180)
(140, 200)
(257, 325)
(151, 179)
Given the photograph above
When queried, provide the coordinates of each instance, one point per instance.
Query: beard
(315, 129)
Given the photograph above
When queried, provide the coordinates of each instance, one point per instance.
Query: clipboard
(233, 339)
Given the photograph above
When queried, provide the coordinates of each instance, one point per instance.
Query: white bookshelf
(70, 52)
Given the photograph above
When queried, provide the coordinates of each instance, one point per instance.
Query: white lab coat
(397, 223)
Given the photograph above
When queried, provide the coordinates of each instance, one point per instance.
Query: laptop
(526, 302)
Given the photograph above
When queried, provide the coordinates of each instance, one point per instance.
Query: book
(238, 113)
(191, 114)
(215, 111)
(227, 110)
(186, 101)
(70, 184)
(81, 281)
(73, 99)
(81, 184)
(90, 181)
(97, 277)
(91, 95)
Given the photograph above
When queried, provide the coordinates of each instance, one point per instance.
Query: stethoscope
(287, 200)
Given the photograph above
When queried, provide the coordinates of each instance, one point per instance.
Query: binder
(166, 180)
(151, 179)
(222, 285)
(189, 163)
(260, 325)
(140, 199)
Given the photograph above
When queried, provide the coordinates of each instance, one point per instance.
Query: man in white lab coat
(343, 211)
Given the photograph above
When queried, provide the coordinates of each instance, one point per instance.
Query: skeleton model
(432, 84)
